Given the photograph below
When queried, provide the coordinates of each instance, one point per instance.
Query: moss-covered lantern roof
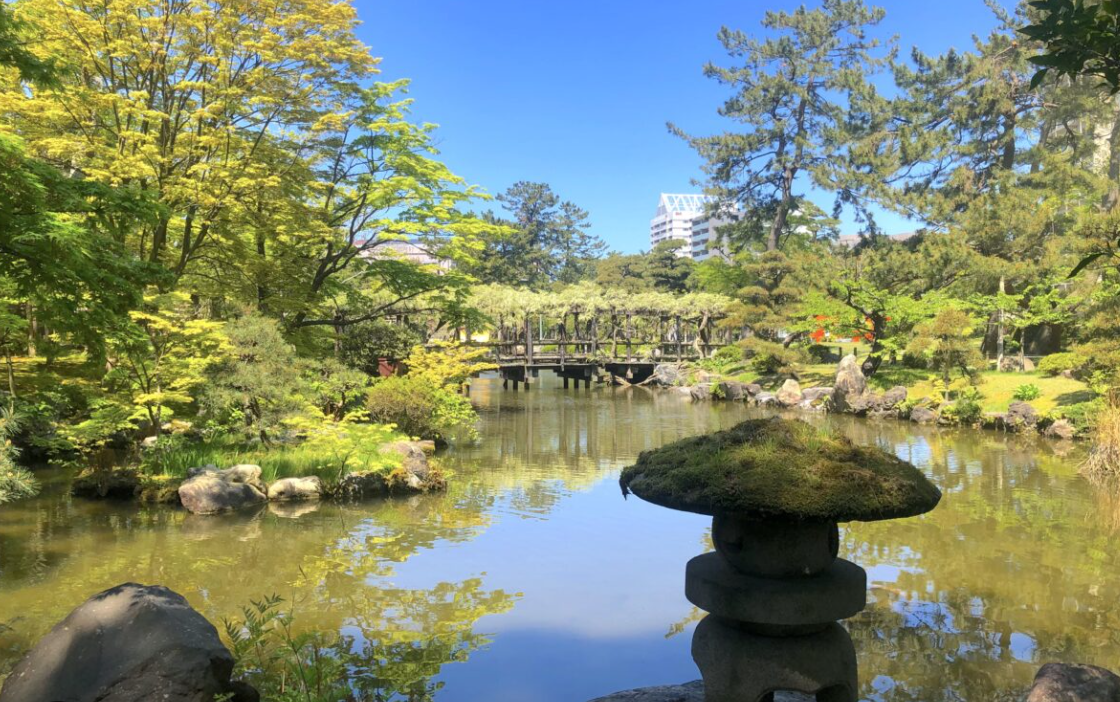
(782, 470)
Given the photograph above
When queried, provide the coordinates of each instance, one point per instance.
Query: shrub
(728, 354)
(1027, 392)
(15, 482)
(336, 389)
(966, 409)
(769, 357)
(820, 353)
(446, 363)
(1082, 415)
(1056, 363)
(258, 385)
(914, 360)
(420, 408)
(362, 345)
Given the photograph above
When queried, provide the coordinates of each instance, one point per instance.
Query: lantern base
(739, 666)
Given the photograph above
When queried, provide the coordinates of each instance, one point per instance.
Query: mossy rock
(113, 483)
(782, 470)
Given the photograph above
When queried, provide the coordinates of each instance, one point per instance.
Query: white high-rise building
(673, 220)
(705, 240)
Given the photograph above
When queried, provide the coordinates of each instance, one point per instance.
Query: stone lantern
(774, 588)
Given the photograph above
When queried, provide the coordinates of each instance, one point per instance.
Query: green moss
(783, 470)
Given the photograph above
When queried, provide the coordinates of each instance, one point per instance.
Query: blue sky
(576, 93)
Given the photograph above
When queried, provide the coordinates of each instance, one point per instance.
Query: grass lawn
(998, 389)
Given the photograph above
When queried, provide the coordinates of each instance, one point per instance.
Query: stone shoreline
(210, 490)
(850, 394)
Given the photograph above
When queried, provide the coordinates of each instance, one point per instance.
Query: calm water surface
(532, 580)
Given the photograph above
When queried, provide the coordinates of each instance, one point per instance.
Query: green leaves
(1079, 38)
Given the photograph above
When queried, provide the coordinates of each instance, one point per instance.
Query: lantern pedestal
(740, 666)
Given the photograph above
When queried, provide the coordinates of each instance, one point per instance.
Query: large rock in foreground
(214, 491)
(132, 643)
(689, 692)
(1059, 682)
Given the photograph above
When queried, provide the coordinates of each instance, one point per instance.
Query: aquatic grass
(1104, 456)
(329, 452)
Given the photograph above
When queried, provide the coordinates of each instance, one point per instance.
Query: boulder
(362, 486)
(1061, 429)
(1012, 364)
(703, 376)
(211, 492)
(415, 457)
(849, 383)
(701, 392)
(790, 393)
(994, 420)
(689, 692)
(892, 398)
(132, 643)
(753, 389)
(1059, 682)
(149, 442)
(765, 399)
(733, 391)
(815, 395)
(241, 473)
(881, 413)
(667, 375)
(923, 415)
(116, 483)
(1021, 416)
(307, 488)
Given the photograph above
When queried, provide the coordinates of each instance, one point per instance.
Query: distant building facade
(674, 218)
(705, 239)
(408, 251)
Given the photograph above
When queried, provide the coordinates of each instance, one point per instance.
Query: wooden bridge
(626, 347)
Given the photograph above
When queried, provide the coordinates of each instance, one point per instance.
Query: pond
(532, 579)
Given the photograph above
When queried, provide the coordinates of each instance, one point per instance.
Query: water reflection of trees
(576, 438)
(1014, 568)
(337, 565)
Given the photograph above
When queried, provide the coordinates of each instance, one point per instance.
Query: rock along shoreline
(850, 394)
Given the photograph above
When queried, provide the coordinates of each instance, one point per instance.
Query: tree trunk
(1000, 330)
(1007, 160)
(1112, 199)
(32, 329)
(11, 383)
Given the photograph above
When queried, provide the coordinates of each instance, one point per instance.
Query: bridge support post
(565, 383)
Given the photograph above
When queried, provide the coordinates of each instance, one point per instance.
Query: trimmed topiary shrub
(770, 357)
(1056, 363)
